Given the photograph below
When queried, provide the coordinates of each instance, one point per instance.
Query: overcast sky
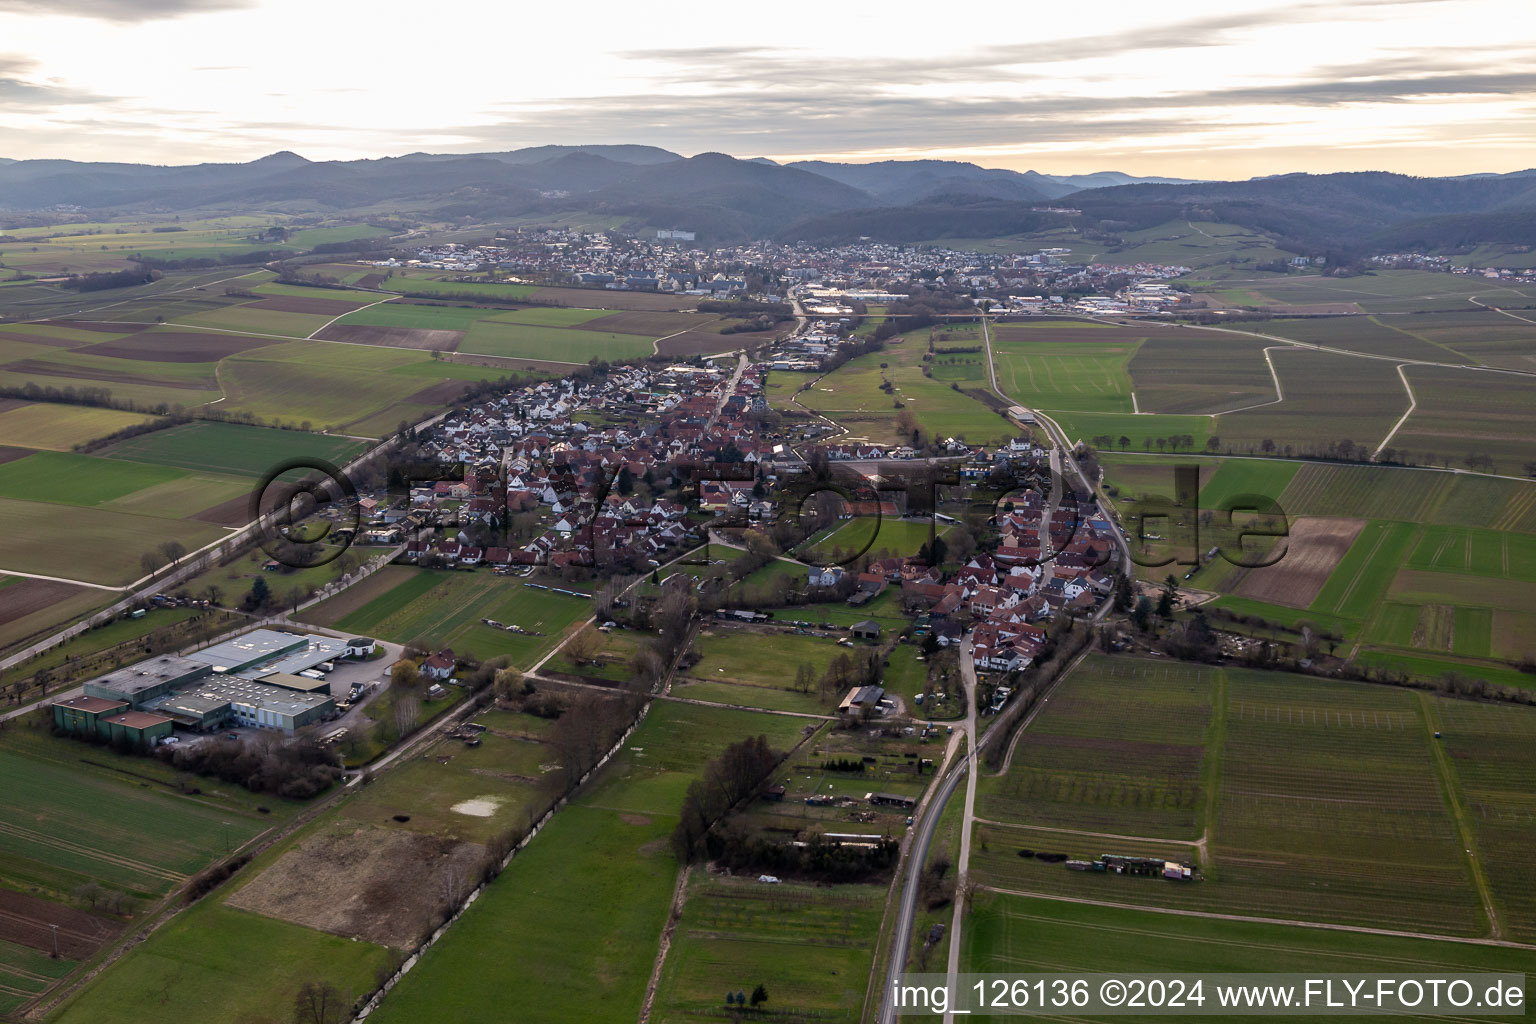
(1190, 88)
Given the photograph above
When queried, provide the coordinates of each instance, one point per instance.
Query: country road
(929, 814)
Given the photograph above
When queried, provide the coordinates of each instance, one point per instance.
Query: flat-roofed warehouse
(249, 650)
(303, 684)
(263, 652)
(139, 728)
(85, 714)
(316, 651)
(147, 679)
(219, 699)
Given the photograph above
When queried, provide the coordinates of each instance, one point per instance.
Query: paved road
(972, 770)
(907, 908)
(928, 815)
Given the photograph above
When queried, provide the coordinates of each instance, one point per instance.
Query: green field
(415, 284)
(502, 770)
(1053, 375)
(1142, 432)
(567, 345)
(757, 669)
(1360, 581)
(69, 821)
(1438, 589)
(810, 946)
(79, 479)
(1323, 798)
(543, 316)
(1118, 750)
(417, 317)
(534, 923)
(26, 973)
(853, 396)
(444, 609)
(333, 386)
(868, 535)
(219, 965)
(249, 320)
(1018, 934)
(98, 545)
(61, 427)
(1222, 480)
(232, 449)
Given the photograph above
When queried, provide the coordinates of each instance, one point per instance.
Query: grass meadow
(586, 901)
(441, 608)
(853, 396)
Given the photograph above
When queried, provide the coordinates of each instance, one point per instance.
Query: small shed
(868, 629)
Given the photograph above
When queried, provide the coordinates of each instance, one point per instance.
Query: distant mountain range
(724, 198)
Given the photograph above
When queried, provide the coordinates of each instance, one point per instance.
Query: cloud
(18, 87)
(123, 10)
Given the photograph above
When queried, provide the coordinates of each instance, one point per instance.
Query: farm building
(891, 800)
(859, 698)
(85, 714)
(869, 629)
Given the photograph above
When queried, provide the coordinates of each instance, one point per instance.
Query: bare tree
(407, 711)
(318, 1002)
(584, 645)
(173, 551)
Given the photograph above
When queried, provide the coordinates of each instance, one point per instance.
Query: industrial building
(249, 650)
(110, 720)
(250, 681)
(138, 728)
(219, 700)
(146, 680)
(84, 714)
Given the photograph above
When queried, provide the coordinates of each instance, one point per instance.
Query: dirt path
(679, 897)
(1080, 832)
(1413, 403)
(1248, 919)
(349, 312)
(1446, 772)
